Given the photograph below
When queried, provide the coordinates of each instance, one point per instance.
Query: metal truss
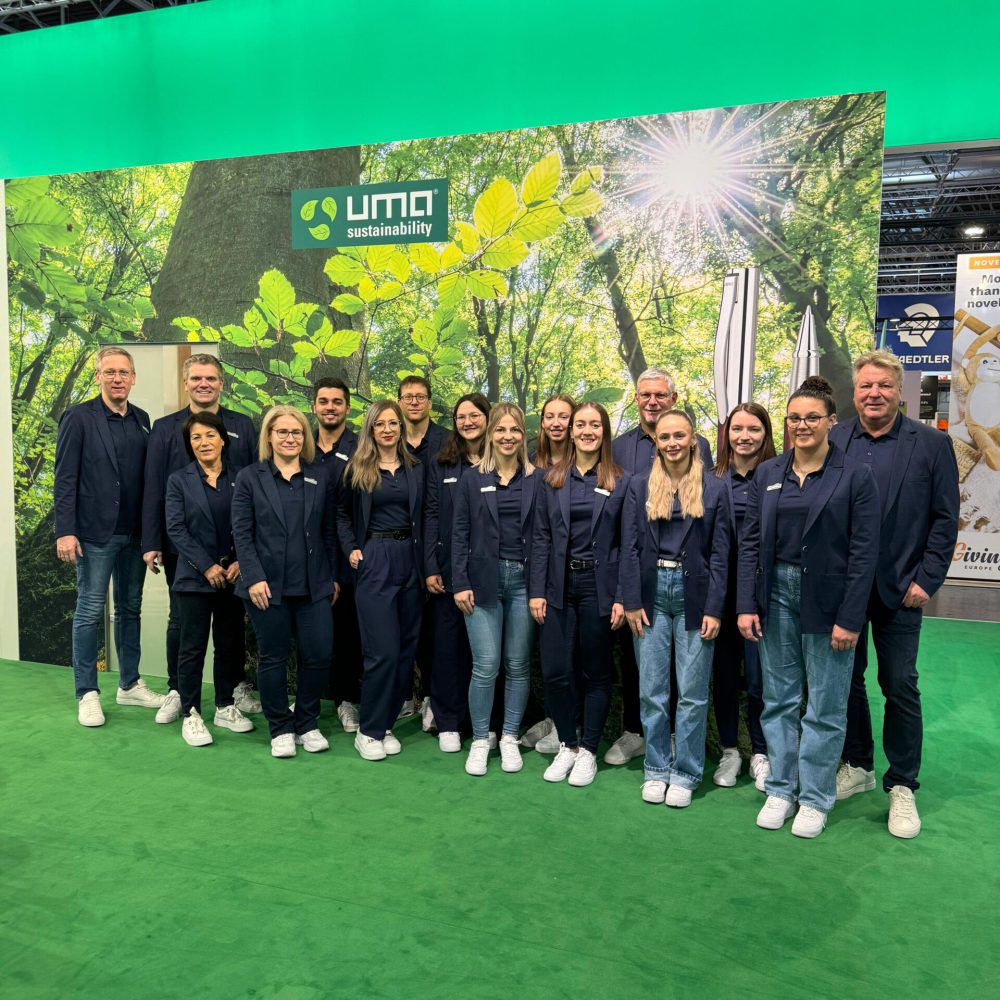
(25, 15)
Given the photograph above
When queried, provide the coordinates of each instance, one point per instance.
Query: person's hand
(354, 558)
(153, 560)
(435, 584)
(538, 606)
(232, 572)
(710, 627)
(916, 596)
(68, 548)
(843, 638)
(617, 616)
(216, 576)
(466, 601)
(636, 619)
(335, 594)
(749, 626)
(259, 594)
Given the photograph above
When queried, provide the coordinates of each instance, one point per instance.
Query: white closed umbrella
(805, 358)
(736, 339)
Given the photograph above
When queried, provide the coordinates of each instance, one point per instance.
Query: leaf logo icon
(308, 210)
(329, 207)
(320, 232)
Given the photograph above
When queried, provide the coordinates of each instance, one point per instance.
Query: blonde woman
(379, 523)
(491, 547)
(674, 568)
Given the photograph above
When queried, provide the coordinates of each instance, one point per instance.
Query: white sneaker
(584, 770)
(729, 768)
(391, 744)
(536, 732)
(194, 730)
(283, 745)
(89, 712)
(450, 742)
(904, 820)
(775, 813)
(139, 694)
(627, 746)
(170, 710)
(231, 718)
(407, 710)
(313, 741)
(562, 765)
(549, 743)
(244, 699)
(808, 822)
(427, 717)
(510, 753)
(654, 792)
(678, 797)
(760, 770)
(493, 741)
(478, 758)
(851, 780)
(348, 716)
(369, 748)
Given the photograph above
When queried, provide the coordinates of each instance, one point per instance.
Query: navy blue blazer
(475, 538)
(432, 443)
(704, 552)
(550, 545)
(259, 530)
(839, 544)
(166, 455)
(86, 491)
(920, 514)
(191, 527)
(625, 449)
(440, 491)
(336, 462)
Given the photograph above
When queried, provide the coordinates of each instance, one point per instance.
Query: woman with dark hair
(452, 655)
(806, 563)
(198, 501)
(379, 521)
(574, 587)
(746, 441)
(674, 562)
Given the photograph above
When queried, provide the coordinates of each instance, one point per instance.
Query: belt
(400, 534)
(668, 564)
(582, 564)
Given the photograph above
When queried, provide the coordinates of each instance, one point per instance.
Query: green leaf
(320, 232)
(495, 208)
(451, 289)
(300, 365)
(236, 336)
(424, 335)
(486, 284)
(388, 291)
(467, 238)
(541, 181)
(379, 257)
(304, 349)
(399, 266)
(425, 257)
(419, 359)
(442, 316)
(59, 283)
(143, 308)
(451, 256)
(447, 356)
(329, 207)
(366, 289)
(244, 390)
(193, 337)
(538, 222)
(255, 323)
(603, 394)
(297, 317)
(342, 343)
(276, 296)
(347, 303)
(343, 270)
(254, 378)
(187, 323)
(24, 189)
(308, 210)
(355, 253)
(459, 329)
(508, 251)
(586, 203)
(586, 177)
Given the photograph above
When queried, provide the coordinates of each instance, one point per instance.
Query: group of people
(406, 543)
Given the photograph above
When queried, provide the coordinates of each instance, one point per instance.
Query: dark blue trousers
(344, 682)
(452, 664)
(311, 624)
(390, 603)
(221, 614)
(732, 650)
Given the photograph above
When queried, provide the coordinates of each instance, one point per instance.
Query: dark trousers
(453, 663)
(629, 672)
(426, 650)
(732, 650)
(173, 620)
(390, 604)
(896, 636)
(578, 632)
(344, 683)
(220, 613)
(311, 625)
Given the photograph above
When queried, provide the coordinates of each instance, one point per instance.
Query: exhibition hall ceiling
(26, 15)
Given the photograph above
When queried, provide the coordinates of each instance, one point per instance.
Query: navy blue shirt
(739, 487)
(509, 514)
(645, 451)
(220, 498)
(878, 452)
(671, 533)
(130, 450)
(793, 509)
(390, 503)
(292, 493)
(581, 512)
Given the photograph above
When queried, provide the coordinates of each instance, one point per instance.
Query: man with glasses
(100, 453)
(203, 382)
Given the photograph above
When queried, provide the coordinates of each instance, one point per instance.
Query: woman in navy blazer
(452, 654)
(284, 527)
(379, 519)
(197, 506)
(674, 567)
(574, 587)
(490, 559)
(806, 562)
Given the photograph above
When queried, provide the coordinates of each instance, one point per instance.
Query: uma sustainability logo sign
(370, 214)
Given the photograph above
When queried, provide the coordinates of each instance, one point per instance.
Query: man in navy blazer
(100, 455)
(917, 476)
(203, 382)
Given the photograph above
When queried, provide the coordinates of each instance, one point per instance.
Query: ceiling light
(974, 230)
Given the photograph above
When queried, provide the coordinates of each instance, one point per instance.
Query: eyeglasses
(660, 397)
(386, 425)
(810, 421)
(415, 397)
(282, 433)
(116, 373)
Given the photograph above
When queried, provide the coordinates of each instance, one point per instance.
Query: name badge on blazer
(773, 486)
(310, 481)
(487, 489)
(604, 493)
(340, 454)
(450, 479)
(232, 435)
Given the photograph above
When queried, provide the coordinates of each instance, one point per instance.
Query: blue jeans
(693, 665)
(117, 561)
(804, 754)
(508, 630)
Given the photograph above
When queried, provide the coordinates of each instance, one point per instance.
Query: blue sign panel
(918, 330)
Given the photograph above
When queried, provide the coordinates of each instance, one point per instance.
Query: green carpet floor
(134, 866)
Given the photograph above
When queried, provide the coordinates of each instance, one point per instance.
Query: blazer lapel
(267, 481)
(197, 491)
(100, 418)
(411, 488)
(905, 444)
(825, 487)
(528, 484)
(769, 501)
(565, 499)
(600, 499)
(485, 481)
(308, 494)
